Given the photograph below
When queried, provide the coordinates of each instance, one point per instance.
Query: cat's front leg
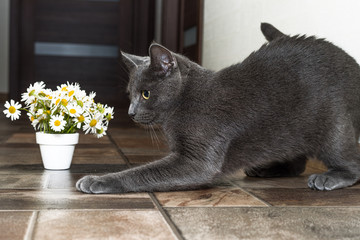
(170, 173)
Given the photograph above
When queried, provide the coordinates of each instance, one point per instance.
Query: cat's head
(155, 84)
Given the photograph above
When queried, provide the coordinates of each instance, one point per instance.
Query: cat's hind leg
(344, 171)
(279, 169)
(342, 157)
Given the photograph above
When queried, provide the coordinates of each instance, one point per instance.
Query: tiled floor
(41, 204)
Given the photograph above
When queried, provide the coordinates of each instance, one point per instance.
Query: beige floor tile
(70, 199)
(212, 197)
(22, 181)
(21, 156)
(307, 197)
(22, 138)
(127, 225)
(271, 223)
(97, 155)
(13, 225)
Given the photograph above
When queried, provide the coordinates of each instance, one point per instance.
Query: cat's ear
(270, 32)
(161, 59)
(133, 61)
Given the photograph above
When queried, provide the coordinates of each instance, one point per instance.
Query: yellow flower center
(64, 102)
(71, 93)
(64, 89)
(57, 123)
(32, 92)
(49, 97)
(81, 118)
(93, 123)
(57, 101)
(32, 118)
(12, 109)
(72, 111)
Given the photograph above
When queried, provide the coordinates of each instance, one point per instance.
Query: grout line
(119, 150)
(251, 194)
(171, 224)
(30, 229)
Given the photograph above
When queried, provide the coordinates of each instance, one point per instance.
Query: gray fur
(294, 98)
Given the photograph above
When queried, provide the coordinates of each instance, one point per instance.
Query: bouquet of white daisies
(65, 110)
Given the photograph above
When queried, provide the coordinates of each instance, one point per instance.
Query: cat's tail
(270, 32)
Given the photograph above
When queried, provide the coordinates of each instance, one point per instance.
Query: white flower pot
(57, 149)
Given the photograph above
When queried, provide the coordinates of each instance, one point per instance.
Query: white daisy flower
(92, 95)
(57, 123)
(63, 87)
(79, 120)
(100, 108)
(101, 132)
(45, 95)
(30, 95)
(73, 90)
(59, 100)
(92, 123)
(74, 110)
(109, 112)
(80, 94)
(12, 110)
(87, 102)
(34, 121)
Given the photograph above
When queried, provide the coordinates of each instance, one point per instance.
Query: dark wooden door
(182, 27)
(56, 41)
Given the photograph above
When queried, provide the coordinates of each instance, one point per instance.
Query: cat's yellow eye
(145, 94)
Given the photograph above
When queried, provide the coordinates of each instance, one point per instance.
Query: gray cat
(294, 98)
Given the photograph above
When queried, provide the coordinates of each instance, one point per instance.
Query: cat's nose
(131, 113)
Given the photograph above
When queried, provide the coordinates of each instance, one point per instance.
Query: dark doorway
(77, 41)
(56, 41)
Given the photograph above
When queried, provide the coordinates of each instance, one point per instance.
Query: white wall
(232, 27)
(4, 45)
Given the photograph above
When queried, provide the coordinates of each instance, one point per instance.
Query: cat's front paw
(330, 181)
(92, 184)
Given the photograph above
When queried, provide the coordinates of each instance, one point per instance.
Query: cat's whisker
(151, 135)
(156, 138)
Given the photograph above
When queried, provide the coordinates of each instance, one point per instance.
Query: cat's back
(292, 77)
(297, 54)
(292, 64)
